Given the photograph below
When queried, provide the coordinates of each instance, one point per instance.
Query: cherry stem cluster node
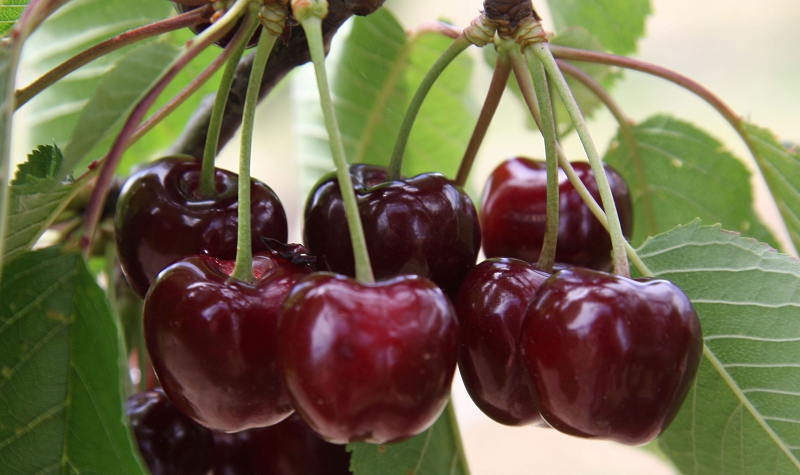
(312, 25)
(207, 183)
(526, 86)
(539, 51)
(396, 163)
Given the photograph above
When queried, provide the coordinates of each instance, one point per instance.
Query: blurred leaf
(434, 452)
(61, 369)
(742, 416)
(618, 25)
(684, 174)
(781, 169)
(117, 93)
(376, 70)
(10, 11)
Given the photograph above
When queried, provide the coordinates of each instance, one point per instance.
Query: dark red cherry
(514, 209)
(169, 441)
(161, 218)
(368, 362)
(423, 225)
(197, 29)
(213, 340)
(610, 357)
(490, 306)
(287, 448)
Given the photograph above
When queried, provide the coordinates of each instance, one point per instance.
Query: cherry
(161, 218)
(423, 225)
(287, 448)
(213, 340)
(368, 362)
(514, 208)
(610, 357)
(222, 42)
(490, 306)
(169, 441)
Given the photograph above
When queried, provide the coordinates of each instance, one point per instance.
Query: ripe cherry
(287, 448)
(423, 225)
(213, 340)
(161, 217)
(368, 362)
(514, 209)
(610, 357)
(169, 441)
(490, 306)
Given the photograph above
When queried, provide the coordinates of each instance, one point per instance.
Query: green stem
(208, 186)
(83, 58)
(542, 90)
(626, 130)
(243, 269)
(502, 70)
(462, 454)
(396, 164)
(541, 52)
(312, 26)
(526, 86)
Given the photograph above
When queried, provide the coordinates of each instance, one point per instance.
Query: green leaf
(60, 372)
(117, 93)
(684, 174)
(781, 169)
(53, 114)
(618, 25)
(376, 70)
(10, 11)
(434, 452)
(742, 416)
(8, 73)
(37, 198)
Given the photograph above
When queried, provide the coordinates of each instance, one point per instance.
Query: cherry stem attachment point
(243, 269)
(396, 163)
(208, 186)
(526, 86)
(541, 52)
(312, 25)
(502, 71)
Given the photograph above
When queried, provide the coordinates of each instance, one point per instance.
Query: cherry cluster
(589, 353)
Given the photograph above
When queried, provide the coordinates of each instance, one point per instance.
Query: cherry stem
(23, 95)
(625, 128)
(243, 269)
(502, 71)
(541, 52)
(456, 430)
(208, 188)
(396, 163)
(200, 43)
(313, 28)
(526, 86)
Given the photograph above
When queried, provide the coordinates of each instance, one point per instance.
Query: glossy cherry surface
(490, 306)
(161, 218)
(514, 209)
(287, 448)
(423, 225)
(197, 29)
(169, 441)
(368, 362)
(610, 357)
(213, 340)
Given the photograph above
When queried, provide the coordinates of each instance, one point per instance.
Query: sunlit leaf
(618, 25)
(10, 11)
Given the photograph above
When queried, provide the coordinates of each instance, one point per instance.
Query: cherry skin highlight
(514, 210)
(168, 441)
(287, 448)
(368, 362)
(610, 357)
(213, 340)
(490, 306)
(161, 218)
(423, 225)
